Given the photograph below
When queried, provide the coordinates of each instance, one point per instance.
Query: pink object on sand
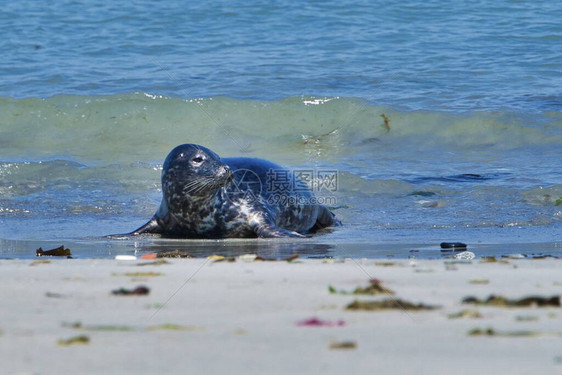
(315, 322)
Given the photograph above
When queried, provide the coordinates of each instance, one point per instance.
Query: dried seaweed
(493, 260)
(287, 259)
(173, 327)
(385, 264)
(158, 262)
(386, 122)
(388, 304)
(40, 261)
(221, 258)
(108, 328)
(500, 301)
(344, 345)
(375, 287)
(467, 313)
(174, 254)
(493, 332)
(141, 274)
(54, 295)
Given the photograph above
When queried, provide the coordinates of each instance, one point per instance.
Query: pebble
(516, 256)
(465, 255)
(247, 257)
(125, 257)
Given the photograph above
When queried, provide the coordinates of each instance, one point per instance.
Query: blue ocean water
(443, 119)
(430, 55)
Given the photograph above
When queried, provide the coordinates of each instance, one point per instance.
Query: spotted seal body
(205, 196)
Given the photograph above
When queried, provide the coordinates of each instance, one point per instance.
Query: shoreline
(317, 247)
(205, 316)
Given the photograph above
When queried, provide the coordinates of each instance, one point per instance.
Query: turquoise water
(93, 96)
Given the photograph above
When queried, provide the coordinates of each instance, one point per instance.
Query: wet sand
(262, 317)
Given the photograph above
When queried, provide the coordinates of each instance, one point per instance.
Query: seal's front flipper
(326, 218)
(150, 227)
(266, 231)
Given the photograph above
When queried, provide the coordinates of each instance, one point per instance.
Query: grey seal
(205, 196)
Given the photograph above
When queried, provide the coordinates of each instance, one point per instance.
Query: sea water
(442, 120)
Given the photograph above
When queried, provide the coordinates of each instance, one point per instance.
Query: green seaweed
(171, 327)
(76, 340)
(526, 318)
(156, 305)
(108, 328)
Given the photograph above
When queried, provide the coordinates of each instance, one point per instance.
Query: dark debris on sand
(60, 251)
(140, 290)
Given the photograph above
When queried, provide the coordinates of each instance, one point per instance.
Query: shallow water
(93, 98)
(425, 178)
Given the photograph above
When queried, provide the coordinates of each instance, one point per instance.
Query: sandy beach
(432, 131)
(264, 317)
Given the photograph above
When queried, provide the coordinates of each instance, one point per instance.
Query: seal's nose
(224, 171)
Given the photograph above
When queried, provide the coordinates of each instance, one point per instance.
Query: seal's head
(192, 171)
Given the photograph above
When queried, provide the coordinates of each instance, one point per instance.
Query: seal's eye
(197, 160)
